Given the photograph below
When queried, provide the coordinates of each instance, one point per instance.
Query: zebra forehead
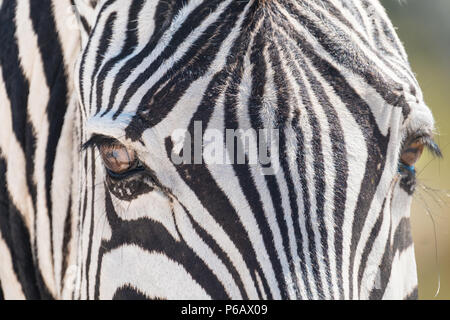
(144, 55)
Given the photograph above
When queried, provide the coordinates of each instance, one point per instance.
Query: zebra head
(323, 87)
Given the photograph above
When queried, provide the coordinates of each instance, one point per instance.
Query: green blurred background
(424, 28)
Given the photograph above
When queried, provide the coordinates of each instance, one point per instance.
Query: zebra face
(331, 220)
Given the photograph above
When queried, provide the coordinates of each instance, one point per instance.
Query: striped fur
(331, 223)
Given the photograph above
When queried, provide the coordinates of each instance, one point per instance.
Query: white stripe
(62, 184)
(31, 62)
(398, 64)
(356, 156)
(304, 124)
(69, 38)
(89, 13)
(73, 271)
(91, 53)
(403, 279)
(329, 176)
(225, 178)
(166, 38)
(101, 228)
(15, 159)
(352, 19)
(85, 236)
(194, 241)
(116, 44)
(164, 278)
(384, 189)
(62, 191)
(366, 92)
(244, 123)
(146, 27)
(377, 8)
(135, 101)
(366, 21)
(352, 45)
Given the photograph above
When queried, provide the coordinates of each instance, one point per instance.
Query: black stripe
(380, 51)
(301, 169)
(413, 295)
(375, 141)
(371, 12)
(402, 236)
(66, 239)
(127, 49)
(390, 90)
(212, 197)
(340, 165)
(160, 100)
(282, 111)
(4, 205)
(353, 10)
(92, 218)
(17, 239)
(129, 293)
(369, 245)
(16, 85)
(203, 234)
(103, 46)
(384, 271)
(191, 23)
(153, 237)
(402, 241)
(86, 51)
(85, 25)
(318, 168)
(41, 14)
(17, 89)
(2, 296)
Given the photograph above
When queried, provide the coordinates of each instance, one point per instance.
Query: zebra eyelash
(431, 146)
(98, 140)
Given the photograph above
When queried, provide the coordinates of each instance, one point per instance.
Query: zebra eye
(118, 159)
(413, 149)
(411, 154)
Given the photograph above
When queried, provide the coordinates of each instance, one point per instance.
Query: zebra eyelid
(97, 140)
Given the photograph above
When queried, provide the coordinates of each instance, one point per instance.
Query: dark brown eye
(117, 158)
(411, 154)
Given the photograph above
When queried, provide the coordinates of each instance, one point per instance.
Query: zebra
(92, 205)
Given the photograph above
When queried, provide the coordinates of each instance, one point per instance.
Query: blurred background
(424, 28)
